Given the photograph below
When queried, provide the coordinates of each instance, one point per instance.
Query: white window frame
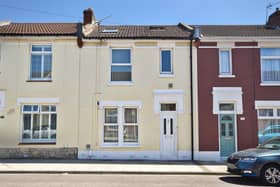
(166, 74)
(42, 53)
(120, 123)
(269, 83)
(111, 82)
(229, 74)
(39, 140)
(275, 116)
(2, 100)
(228, 111)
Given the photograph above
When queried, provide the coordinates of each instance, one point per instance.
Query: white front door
(168, 130)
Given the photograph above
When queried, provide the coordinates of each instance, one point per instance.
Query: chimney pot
(88, 15)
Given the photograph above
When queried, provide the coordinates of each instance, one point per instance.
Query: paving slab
(89, 166)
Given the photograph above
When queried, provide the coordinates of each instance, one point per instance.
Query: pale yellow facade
(81, 88)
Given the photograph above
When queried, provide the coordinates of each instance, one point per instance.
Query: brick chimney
(274, 20)
(89, 17)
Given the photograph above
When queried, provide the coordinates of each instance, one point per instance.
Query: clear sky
(139, 11)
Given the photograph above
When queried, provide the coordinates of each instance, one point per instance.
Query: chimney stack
(274, 20)
(89, 17)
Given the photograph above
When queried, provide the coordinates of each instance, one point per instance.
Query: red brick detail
(208, 43)
(246, 44)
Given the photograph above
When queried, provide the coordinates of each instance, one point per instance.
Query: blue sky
(139, 11)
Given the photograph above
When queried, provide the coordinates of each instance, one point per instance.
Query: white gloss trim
(137, 104)
(270, 84)
(169, 96)
(34, 100)
(267, 104)
(227, 76)
(171, 75)
(2, 100)
(227, 95)
(121, 83)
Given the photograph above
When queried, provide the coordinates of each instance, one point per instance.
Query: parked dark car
(263, 162)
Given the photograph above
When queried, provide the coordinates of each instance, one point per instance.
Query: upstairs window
(121, 65)
(166, 62)
(225, 67)
(41, 62)
(270, 65)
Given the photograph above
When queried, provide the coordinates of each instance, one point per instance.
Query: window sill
(38, 80)
(104, 145)
(121, 83)
(270, 84)
(227, 76)
(166, 75)
(37, 143)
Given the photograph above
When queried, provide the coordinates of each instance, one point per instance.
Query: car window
(271, 144)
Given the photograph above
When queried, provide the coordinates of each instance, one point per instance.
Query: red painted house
(238, 87)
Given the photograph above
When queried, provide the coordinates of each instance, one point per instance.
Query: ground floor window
(39, 123)
(120, 125)
(268, 123)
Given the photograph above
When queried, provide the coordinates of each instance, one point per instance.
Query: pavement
(112, 167)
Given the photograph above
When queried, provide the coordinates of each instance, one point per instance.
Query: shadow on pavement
(143, 162)
(242, 181)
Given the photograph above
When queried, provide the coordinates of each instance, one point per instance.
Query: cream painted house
(95, 92)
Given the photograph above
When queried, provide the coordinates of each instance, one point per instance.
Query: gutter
(191, 92)
(195, 36)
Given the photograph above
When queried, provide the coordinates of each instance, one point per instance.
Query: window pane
(45, 126)
(121, 73)
(225, 62)
(26, 126)
(47, 48)
(268, 128)
(226, 107)
(270, 52)
(45, 108)
(121, 56)
(36, 126)
(53, 126)
(278, 112)
(47, 66)
(166, 61)
(35, 108)
(168, 107)
(53, 108)
(37, 48)
(130, 115)
(265, 112)
(35, 66)
(27, 108)
(130, 134)
(111, 115)
(271, 69)
(110, 134)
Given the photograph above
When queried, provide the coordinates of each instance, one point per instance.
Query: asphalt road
(118, 180)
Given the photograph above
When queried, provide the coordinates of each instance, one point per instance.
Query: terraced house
(92, 91)
(169, 92)
(238, 87)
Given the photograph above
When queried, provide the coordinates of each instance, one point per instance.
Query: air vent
(157, 28)
(110, 31)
